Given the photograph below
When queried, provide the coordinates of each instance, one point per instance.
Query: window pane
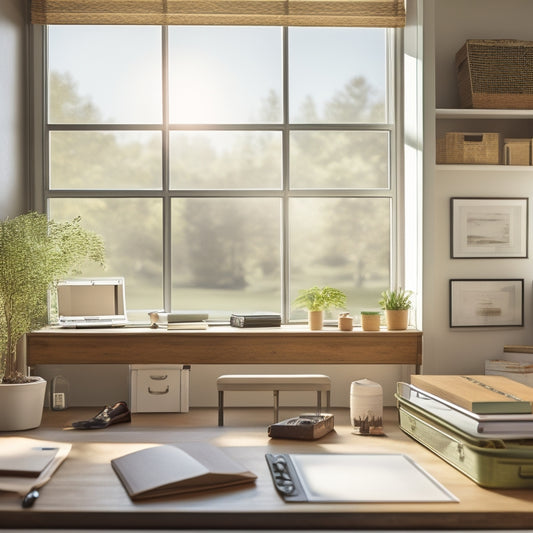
(339, 159)
(337, 75)
(132, 232)
(105, 160)
(342, 243)
(224, 75)
(225, 160)
(104, 74)
(226, 255)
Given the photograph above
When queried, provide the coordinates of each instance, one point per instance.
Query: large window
(226, 167)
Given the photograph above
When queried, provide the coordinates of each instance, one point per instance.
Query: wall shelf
(484, 114)
(484, 168)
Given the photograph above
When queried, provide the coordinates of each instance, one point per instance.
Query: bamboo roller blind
(355, 13)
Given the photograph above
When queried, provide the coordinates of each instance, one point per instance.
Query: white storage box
(159, 388)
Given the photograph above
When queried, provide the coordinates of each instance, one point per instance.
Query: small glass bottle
(59, 393)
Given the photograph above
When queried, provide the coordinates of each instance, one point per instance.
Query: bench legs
(276, 405)
(220, 407)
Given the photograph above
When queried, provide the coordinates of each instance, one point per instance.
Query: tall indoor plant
(34, 253)
(317, 300)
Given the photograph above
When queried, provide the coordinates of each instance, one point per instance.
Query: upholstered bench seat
(273, 382)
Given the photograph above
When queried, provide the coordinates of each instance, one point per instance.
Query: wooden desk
(224, 345)
(85, 492)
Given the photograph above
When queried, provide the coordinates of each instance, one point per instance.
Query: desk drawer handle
(158, 391)
(159, 378)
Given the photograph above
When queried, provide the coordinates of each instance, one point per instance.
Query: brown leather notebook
(167, 470)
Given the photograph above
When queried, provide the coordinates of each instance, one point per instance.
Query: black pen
(30, 498)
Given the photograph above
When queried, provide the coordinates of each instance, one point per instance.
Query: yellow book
(479, 394)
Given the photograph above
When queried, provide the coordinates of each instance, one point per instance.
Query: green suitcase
(491, 463)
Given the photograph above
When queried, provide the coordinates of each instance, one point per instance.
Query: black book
(255, 320)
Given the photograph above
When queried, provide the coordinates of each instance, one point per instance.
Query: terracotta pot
(396, 318)
(316, 320)
(21, 404)
(370, 322)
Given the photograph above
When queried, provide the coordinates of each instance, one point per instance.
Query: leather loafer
(106, 417)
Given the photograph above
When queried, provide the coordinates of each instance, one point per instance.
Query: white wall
(454, 350)
(13, 189)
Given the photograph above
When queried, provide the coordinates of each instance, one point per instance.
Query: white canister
(366, 407)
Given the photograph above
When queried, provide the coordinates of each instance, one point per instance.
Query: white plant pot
(21, 404)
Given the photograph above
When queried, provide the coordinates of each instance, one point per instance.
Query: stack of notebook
(482, 425)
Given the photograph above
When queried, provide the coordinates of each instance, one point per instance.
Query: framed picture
(486, 302)
(489, 227)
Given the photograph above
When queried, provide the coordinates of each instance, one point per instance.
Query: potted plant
(317, 300)
(34, 254)
(370, 320)
(396, 304)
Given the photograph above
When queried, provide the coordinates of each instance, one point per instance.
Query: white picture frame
(486, 228)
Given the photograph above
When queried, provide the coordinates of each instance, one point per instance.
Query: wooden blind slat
(356, 13)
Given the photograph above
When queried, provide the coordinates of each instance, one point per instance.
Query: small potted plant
(317, 300)
(396, 304)
(370, 320)
(34, 254)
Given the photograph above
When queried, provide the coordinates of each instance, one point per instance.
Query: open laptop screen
(91, 300)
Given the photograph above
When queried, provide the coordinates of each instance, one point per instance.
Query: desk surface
(223, 345)
(85, 492)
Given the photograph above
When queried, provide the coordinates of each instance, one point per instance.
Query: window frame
(40, 192)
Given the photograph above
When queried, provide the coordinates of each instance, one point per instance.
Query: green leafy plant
(320, 299)
(34, 254)
(367, 313)
(396, 299)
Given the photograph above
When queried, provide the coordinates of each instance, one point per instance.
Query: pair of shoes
(106, 417)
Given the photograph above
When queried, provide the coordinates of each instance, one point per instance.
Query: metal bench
(274, 382)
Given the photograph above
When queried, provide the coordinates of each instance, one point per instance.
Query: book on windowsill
(159, 317)
(166, 470)
(187, 325)
(479, 394)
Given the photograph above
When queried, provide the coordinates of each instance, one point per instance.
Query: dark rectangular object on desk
(255, 321)
(303, 427)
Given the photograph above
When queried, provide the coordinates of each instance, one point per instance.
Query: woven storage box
(495, 74)
(469, 148)
(517, 151)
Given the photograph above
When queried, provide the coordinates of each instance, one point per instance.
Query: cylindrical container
(366, 407)
(345, 322)
(370, 321)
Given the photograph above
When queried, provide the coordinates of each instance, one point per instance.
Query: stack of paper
(26, 463)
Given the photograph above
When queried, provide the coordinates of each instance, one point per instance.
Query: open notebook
(91, 303)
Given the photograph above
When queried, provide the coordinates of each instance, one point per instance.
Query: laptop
(91, 303)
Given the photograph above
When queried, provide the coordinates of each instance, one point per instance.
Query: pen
(30, 498)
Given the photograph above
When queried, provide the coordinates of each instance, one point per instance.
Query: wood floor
(197, 417)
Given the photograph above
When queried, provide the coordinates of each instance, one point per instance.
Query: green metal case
(491, 463)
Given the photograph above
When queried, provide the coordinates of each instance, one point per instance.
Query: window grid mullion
(165, 178)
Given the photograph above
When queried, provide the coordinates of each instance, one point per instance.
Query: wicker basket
(517, 151)
(469, 148)
(495, 74)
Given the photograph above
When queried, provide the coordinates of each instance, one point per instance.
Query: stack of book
(179, 320)
(482, 425)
